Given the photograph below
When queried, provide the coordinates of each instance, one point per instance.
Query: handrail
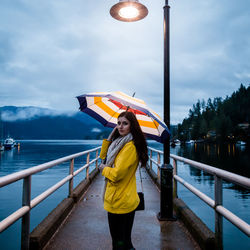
(228, 176)
(5, 180)
(216, 204)
(24, 211)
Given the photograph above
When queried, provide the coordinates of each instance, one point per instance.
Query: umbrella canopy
(105, 107)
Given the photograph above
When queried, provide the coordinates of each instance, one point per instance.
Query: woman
(123, 150)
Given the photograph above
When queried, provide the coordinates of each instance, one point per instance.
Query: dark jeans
(120, 226)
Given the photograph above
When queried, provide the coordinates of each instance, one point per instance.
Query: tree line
(218, 120)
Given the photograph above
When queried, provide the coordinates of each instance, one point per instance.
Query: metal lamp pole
(166, 204)
(130, 11)
(166, 86)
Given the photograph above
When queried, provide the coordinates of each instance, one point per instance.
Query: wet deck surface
(87, 226)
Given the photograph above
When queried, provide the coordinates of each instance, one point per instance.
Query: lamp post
(130, 11)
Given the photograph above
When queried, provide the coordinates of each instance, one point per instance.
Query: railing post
(158, 168)
(150, 166)
(175, 182)
(26, 217)
(71, 181)
(87, 169)
(218, 217)
(96, 162)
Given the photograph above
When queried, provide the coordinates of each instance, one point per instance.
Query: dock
(87, 225)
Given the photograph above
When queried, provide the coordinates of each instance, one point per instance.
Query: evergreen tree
(222, 117)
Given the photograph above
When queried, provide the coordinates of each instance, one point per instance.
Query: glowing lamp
(128, 11)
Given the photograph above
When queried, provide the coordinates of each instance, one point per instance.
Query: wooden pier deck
(87, 225)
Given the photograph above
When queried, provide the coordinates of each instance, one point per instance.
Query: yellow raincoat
(121, 195)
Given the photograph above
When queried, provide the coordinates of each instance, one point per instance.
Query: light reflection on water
(31, 153)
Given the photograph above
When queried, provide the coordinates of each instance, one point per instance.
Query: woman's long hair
(138, 136)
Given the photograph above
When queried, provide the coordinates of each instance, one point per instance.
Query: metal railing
(217, 203)
(27, 203)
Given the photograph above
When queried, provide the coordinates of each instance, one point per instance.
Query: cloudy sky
(54, 50)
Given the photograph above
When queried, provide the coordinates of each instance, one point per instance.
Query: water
(236, 199)
(32, 153)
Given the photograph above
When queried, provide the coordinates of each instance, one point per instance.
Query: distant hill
(41, 123)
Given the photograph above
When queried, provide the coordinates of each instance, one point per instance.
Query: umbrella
(105, 107)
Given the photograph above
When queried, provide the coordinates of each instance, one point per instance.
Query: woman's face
(123, 126)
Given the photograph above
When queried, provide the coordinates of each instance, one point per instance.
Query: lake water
(32, 153)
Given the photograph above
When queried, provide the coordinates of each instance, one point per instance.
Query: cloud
(96, 130)
(55, 50)
(29, 113)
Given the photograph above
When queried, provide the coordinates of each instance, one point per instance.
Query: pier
(87, 225)
(80, 222)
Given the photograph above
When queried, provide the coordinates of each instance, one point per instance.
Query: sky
(54, 50)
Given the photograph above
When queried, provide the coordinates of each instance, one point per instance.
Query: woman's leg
(128, 225)
(114, 227)
(120, 226)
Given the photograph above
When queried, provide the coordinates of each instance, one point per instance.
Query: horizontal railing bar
(238, 222)
(194, 190)
(94, 160)
(237, 179)
(85, 166)
(49, 191)
(155, 150)
(4, 224)
(34, 202)
(226, 175)
(12, 218)
(23, 210)
(242, 225)
(33, 170)
(155, 162)
(80, 170)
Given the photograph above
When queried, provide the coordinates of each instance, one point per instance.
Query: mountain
(41, 123)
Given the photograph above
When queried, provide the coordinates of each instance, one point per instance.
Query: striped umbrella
(105, 107)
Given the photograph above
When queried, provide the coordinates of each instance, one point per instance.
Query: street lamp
(130, 11)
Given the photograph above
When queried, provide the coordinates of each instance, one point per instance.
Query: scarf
(113, 150)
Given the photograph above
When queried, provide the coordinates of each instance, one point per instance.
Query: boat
(241, 143)
(175, 142)
(190, 142)
(9, 143)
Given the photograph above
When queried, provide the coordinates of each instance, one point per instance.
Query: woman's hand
(101, 167)
(112, 133)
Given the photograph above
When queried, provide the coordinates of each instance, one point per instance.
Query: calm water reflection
(235, 198)
(229, 157)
